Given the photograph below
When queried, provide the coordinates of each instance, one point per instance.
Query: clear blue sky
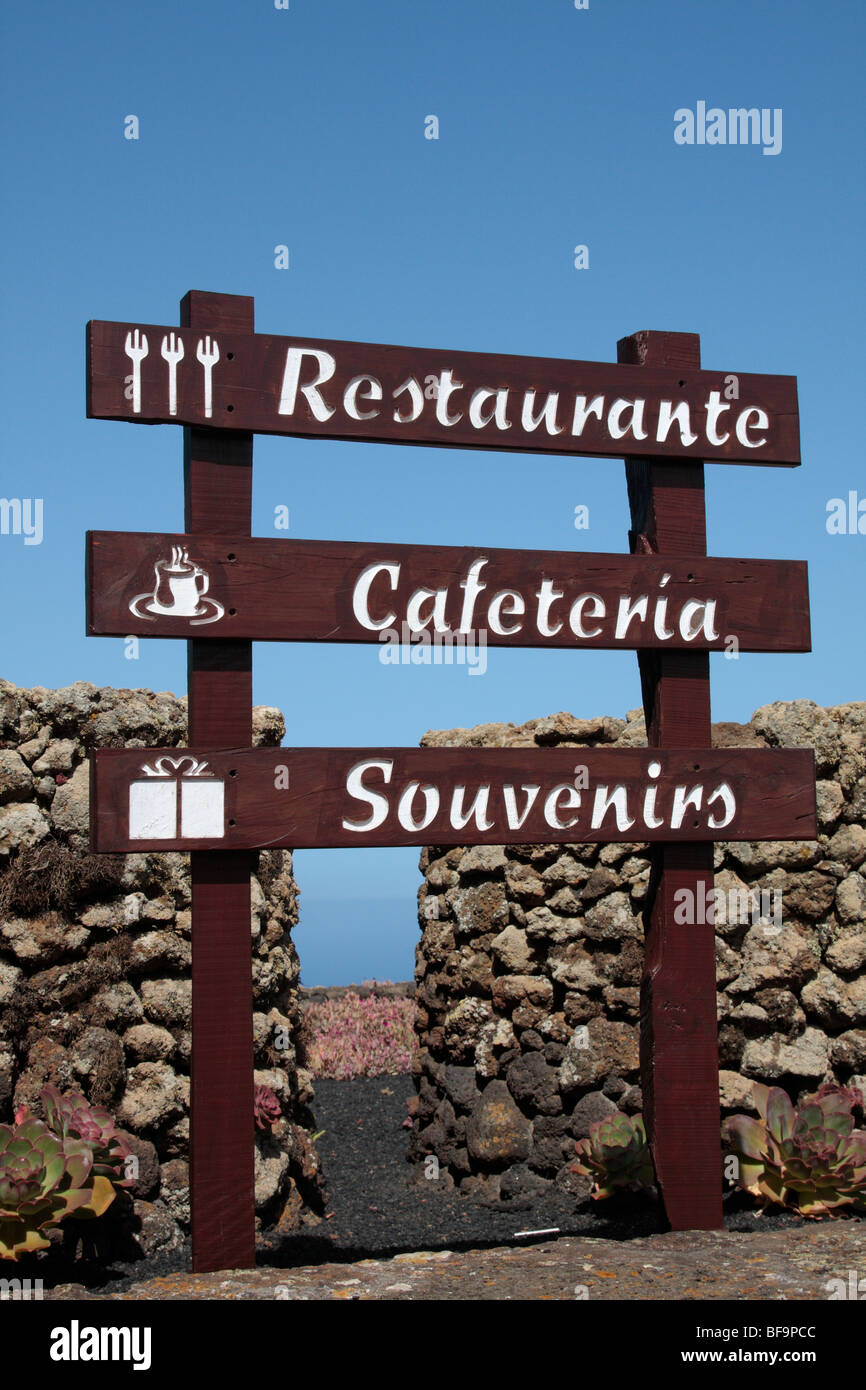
(305, 127)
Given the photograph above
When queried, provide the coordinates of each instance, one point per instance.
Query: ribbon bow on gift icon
(159, 768)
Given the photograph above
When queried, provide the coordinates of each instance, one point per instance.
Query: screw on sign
(220, 589)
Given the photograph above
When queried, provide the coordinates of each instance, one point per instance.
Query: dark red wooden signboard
(325, 798)
(220, 589)
(343, 591)
(230, 379)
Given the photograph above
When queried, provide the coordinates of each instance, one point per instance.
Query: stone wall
(529, 965)
(95, 955)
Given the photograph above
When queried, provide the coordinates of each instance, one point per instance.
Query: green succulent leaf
(820, 1203)
(841, 1125)
(771, 1185)
(746, 1135)
(780, 1114)
(16, 1238)
(54, 1168)
(96, 1199)
(761, 1097)
(748, 1175)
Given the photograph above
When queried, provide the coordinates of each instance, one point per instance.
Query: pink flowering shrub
(361, 1037)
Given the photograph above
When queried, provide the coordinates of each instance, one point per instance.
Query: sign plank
(315, 798)
(283, 590)
(405, 395)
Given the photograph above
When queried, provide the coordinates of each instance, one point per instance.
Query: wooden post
(218, 500)
(679, 1036)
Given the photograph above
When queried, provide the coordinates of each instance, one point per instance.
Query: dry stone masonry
(529, 965)
(95, 956)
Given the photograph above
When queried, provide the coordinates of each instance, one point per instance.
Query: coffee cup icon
(180, 586)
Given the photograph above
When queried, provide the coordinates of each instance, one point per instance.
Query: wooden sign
(403, 395)
(317, 798)
(337, 591)
(220, 589)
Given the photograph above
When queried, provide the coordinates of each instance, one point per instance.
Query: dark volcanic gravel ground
(379, 1205)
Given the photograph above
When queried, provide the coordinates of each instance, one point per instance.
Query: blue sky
(305, 127)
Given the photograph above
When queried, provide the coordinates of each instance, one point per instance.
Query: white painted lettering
(575, 616)
(570, 797)
(680, 416)
(459, 817)
(361, 596)
(477, 401)
(326, 366)
(373, 392)
(512, 815)
(604, 800)
(431, 807)
(582, 412)
(416, 399)
(615, 427)
(547, 596)
(627, 612)
(715, 408)
(530, 421)
(447, 387)
(743, 427)
(509, 603)
(356, 789)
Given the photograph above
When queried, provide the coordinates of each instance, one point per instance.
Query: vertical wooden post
(679, 1037)
(218, 467)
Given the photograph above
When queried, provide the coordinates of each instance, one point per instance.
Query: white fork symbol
(136, 349)
(172, 351)
(208, 354)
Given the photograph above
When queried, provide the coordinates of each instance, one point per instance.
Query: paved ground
(695, 1265)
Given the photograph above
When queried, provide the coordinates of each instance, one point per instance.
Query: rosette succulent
(266, 1107)
(73, 1118)
(810, 1158)
(616, 1155)
(42, 1180)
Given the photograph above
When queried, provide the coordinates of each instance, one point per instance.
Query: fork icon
(135, 349)
(208, 354)
(172, 351)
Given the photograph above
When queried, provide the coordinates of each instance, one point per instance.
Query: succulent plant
(73, 1118)
(851, 1094)
(616, 1155)
(266, 1107)
(810, 1158)
(43, 1179)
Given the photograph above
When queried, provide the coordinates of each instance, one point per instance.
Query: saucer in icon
(208, 610)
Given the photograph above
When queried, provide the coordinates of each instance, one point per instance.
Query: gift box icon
(177, 800)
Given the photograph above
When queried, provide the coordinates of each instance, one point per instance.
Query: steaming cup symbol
(180, 590)
(180, 585)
